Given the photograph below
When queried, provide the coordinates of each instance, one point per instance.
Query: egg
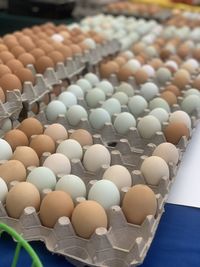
(56, 131)
(14, 65)
(42, 63)
(2, 96)
(83, 137)
(106, 87)
(37, 53)
(126, 88)
(47, 48)
(119, 175)
(163, 75)
(3, 191)
(56, 56)
(124, 73)
(54, 109)
(159, 102)
(16, 138)
(26, 155)
(55, 205)
(92, 78)
(6, 150)
(93, 163)
(70, 148)
(180, 116)
(10, 82)
(73, 185)
(26, 59)
(174, 131)
(161, 114)
(6, 125)
(148, 126)
(121, 97)
(138, 203)
(93, 97)
(42, 143)
(174, 89)
(149, 70)
(75, 113)
(58, 163)
(191, 103)
(106, 69)
(31, 126)
(4, 69)
(123, 122)
(98, 117)
(19, 197)
(137, 104)
(133, 65)
(24, 75)
(17, 50)
(181, 79)
(91, 215)
(112, 105)
(5, 56)
(169, 97)
(168, 152)
(12, 170)
(154, 169)
(141, 76)
(84, 84)
(192, 91)
(68, 99)
(149, 90)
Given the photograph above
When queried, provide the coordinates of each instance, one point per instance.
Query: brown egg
(141, 76)
(75, 49)
(11, 43)
(196, 53)
(26, 155)
(106, 69)
(169, 97)
(37, 53)
(9, 36)
(188, 67)
(181, 78)
(68, 42)
(14, 65)
(17, 50)
(18, 34)
(20, 196)
(26, 58)
(6, 56)
(165, 54)
(174, 89)
(83, 137)
(28, 46)
(87, 217)
(176, 58)
(12, 170)
(16, 138)
(138, 203)
(174, 131)
(195, 84)
(120, 61)
(183, 51)
(43, 63)
(31, 126)
(3, 47)
(9, 82)
(36, 29)
(56, 56)
(2, 96)
(66, 51)
(42, 143)
(124, 73)
(156, 63)
(40, 43)
(4, 70)
(27, 31)
(47, 48)
(54, 205)
(24, 75)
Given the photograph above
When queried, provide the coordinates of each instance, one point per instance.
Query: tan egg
(26, 58)
(4, 70)
(56, 56)
(42, 143)
(75, 49)
(28, 45)
(156, 63)
(20, 196)
(12, 170)
(9, 36)
(10, 82)
(25, 74)
(17, 50)
(195, 84)
(87, 217)
(188, 67)
(183, 51)
(5, 56)
(176, 58)
(141, 76)
(169, 97)
(47, 48)
(40, 43)
(174, 131)
(37, 53)
(106, 69)
(16, 138)
(196, 53)
(11, 43)
(68, 42)
(18, 34)
(120, 61)
(2, 96)
(27, 31)
(43, 63)
(36, 29)
(54, 205)
(31, 126)
(83, 137)
(49, 32)
(14, 65)
(26, 155)
(83, 46)
(181, 78)
(124, 73)
(56, 131)
(42, 35)
(174, 89)
(3, 47)
(66, 51)
(138, 203)
(138, 48)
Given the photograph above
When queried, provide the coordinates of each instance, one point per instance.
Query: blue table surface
(177, 243)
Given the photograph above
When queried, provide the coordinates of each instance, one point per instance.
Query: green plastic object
(21, 243)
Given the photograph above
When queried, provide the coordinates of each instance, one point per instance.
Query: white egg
(90, 43)
(98, 117)
(42, 178)
(92, 78)
(112, 105)
(106, 86)
(68, 99)
(122, 97)
(163, 75)
(192, 91)
(94, 96)
(148, 126)
(71, 149)
(54, 109)
(133, 65)
(92, 162)
(6, 125)
(126, 88)
(173, 64)
(3, 190)
(149, 90)
(159, 102)
(161, 114)
(180, 116)
(76, 90)
(5, 151)
(75, 114)
(57, 38)
(105, 193)
(191, 103)
(123, 122)
(58, 163)
(84, 84)
(149, 70)
(73, 185)
(137, 104)
(168, 152)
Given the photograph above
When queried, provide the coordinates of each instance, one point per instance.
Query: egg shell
(68, 99)
(75, 113)
(112, 105)
(98, 117)
(58, 163)
(14, 65)
(42, 63)
(83, 137)
(169, 97)
(148, 126)
(26, 155)
(19, 197)
(138, 203)
(137, 104)
(106, 87)
(42, 143)
(37, 53)
(16, 138)
(31, 126)
(54, 109)
(174, 131)
(149, 90)
(174, 89)
(71, 149)
(26, 59)
(190, 103)
(161, 114)
(92, 78)
(2, 96)
(56, 131)
(84, 84)
(25, 75)
(168, 152)
(123, 122)
(76, 90)
(126, 88)
(180, 116)
(12, 170)
(4, 69)
(94, 96)
(10, 82)
(91, 215)
(5, 56)
(159, 102)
